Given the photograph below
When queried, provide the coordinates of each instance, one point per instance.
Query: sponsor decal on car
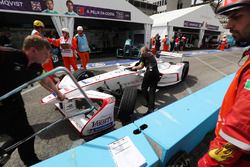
(101, 122)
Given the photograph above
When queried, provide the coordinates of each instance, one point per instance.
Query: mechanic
(223, 43)
(38, 29)
(16, 68)
(231, 145)
(150, 79)
(183, 42)
(82, 46)
(157, 42)
(153, 47)
(68, 49)
(165, 43)
(128, 46)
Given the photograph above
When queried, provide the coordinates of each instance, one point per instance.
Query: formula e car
(132, 52)
(107, 90)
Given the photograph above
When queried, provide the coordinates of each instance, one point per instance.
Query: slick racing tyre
(185, 70)
(127, 103)
(83, 74)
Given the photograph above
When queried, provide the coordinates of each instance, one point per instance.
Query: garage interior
(104, 35)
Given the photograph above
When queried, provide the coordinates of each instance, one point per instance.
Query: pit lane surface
(204, 70)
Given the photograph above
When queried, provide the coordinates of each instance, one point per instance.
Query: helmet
(38, 23)
(229, 5)
(79, 28)
(65, 30)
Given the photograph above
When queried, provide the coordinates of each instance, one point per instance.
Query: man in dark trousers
(150, 79)
(16, 68)
(157, 42)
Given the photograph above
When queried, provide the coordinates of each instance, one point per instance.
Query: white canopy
(203, 15)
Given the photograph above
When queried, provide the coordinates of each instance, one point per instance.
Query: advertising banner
(102, 13)
(62, 7)
(22, 5)
(211, 27)
(192, 24)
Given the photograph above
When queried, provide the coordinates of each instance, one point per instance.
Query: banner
(102, 12)
(211, 27)
(62, 7)
(193, 24)
(22, 5)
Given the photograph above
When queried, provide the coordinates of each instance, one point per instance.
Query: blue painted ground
(185, 53)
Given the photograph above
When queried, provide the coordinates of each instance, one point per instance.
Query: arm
(140, 66)
(50, 86)
(56, 42)
(74, 43)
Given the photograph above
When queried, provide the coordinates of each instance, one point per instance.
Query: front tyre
(185, 70)
(127, 103)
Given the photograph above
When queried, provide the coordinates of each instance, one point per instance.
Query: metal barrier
(25, 85)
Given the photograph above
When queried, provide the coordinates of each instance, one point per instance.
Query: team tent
(200, 20)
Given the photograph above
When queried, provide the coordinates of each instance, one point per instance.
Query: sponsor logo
(36, 6)
(222, 154)
(101, 122)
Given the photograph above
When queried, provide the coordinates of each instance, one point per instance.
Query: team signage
(59, 7)
(211, 27)
(192, 24)
(102, 12)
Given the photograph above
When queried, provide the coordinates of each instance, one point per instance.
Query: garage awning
(198, 17)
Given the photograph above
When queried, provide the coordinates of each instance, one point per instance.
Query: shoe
(32, 162)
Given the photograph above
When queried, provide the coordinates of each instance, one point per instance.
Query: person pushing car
(16, 68)
(150, 79)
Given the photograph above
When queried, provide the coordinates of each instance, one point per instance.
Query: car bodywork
(132, 52)
(102, 90)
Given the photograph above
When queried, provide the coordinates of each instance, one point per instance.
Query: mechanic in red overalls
(165, 42)
(231, 146)
(68, 49)
(153, 50)
(223, 43)
(82, 46)
(38, 28)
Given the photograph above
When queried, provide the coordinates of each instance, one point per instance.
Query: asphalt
(205, 68)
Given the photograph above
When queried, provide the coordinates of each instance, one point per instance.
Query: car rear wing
(170, 55)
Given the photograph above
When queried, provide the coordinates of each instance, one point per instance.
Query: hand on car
(60, 96)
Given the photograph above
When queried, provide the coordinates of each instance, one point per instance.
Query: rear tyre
(83, 74)
(185, 70)
(127, 104)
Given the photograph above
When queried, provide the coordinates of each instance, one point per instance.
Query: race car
(132, 52)
(108, 90)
